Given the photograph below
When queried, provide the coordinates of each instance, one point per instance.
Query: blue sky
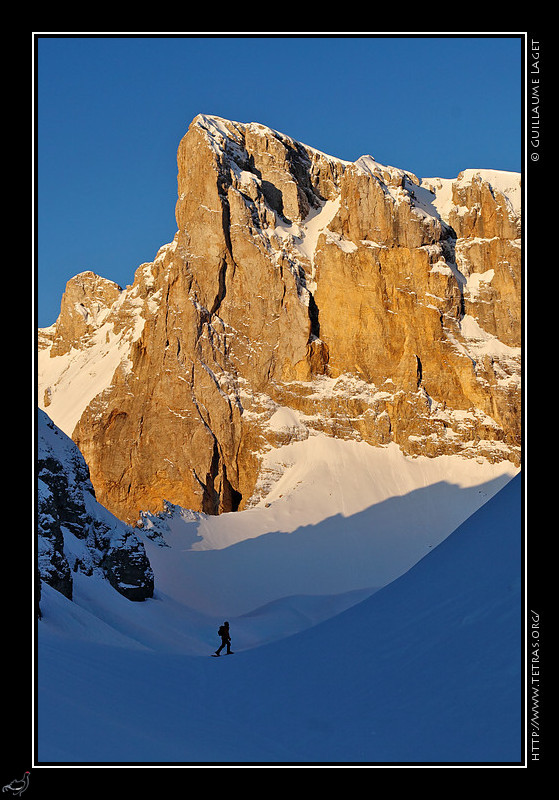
(112, 110)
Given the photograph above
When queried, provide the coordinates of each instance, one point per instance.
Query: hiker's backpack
(222, 631)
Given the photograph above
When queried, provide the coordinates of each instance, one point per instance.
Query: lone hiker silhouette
(225, 639)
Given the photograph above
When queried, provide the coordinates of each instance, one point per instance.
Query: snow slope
(427, 669)
(338, 516)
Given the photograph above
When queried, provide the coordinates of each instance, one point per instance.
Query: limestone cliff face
(372, 304)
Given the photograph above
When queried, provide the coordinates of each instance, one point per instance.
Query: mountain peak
(372, 305)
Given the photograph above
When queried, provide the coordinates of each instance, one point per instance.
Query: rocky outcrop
(84, 305)
(370, 303)
(75, 534)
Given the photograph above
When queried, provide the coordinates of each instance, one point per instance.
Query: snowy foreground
(364, 635)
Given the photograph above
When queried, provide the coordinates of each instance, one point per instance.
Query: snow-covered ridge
(509, 184)
(220, 130)
(77, 534)
(69, 382)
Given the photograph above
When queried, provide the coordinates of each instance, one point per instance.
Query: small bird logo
(17, 787)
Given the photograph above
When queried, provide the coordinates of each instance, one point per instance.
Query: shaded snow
(356, 637)
(425, 670)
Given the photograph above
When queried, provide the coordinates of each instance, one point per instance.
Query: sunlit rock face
(368, 303)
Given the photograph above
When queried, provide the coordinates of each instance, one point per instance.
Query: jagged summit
(367, 303)
(221, 129)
